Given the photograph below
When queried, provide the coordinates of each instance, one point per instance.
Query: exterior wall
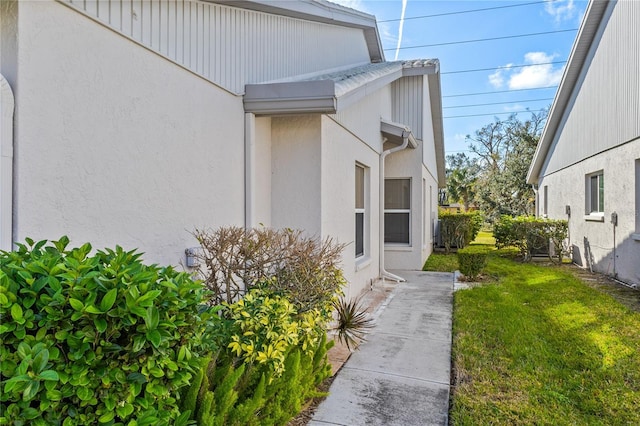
(407, 164)
(567, 187)
(409, 103)
(429, 212)
(296, 173)
(340, 152)
(108, 151)
(604, 112)
(227, 45)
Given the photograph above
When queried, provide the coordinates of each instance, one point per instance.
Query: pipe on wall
(405, 143)
(7, 104)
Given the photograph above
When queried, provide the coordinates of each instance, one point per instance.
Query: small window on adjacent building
(360, 210)
(545, 203)
(397, 211)
(595, 193)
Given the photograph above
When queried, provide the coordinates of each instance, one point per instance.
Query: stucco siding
(296, 173)
(407, 164)
(341, 150)
(227, 45)
(568, 187)
(108, 151)
(604, 110)
(261, 188)
(363, 118)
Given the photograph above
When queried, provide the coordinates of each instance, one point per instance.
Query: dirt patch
(625, 295)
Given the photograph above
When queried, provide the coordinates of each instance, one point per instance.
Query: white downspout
(405, 142)
(7, 104)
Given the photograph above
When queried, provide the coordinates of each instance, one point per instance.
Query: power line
(504, 67)
(465, 11)
(498, 91)
(495, 113)
(485, 39)
(498, 103)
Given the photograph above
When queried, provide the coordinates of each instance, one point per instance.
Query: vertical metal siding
(606, 109)
(407, 103)
(230, 46)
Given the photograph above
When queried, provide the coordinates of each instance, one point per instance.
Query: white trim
(7, 105)
(594, 217)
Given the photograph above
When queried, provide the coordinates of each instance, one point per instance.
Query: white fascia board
(317, 96)
(577, 58)
(319, 11)
(435, 98)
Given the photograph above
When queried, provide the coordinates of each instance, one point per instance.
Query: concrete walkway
(400, 375)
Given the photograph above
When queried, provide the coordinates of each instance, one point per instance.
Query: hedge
(530, 234)
(459, 229)
(472, 260)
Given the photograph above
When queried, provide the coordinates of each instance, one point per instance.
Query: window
(360, 210)
(397, 211)
(595, 193)
(545, 203)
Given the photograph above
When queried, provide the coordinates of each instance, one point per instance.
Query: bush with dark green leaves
(532, 235)
(95, 339)
(459, 229)
(472, 260)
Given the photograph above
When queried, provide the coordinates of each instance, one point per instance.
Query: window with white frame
(360, 210)
(545, 202)
(595, 193)
(397, 211)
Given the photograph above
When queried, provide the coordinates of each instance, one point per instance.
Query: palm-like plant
(353, 322)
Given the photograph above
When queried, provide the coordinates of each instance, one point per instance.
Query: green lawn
(537, 346)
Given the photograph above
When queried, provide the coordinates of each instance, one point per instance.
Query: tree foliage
(494, 177)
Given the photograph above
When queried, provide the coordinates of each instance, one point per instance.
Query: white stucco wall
(567, 187)
(340, 152)
(262, 173)
(296, 173)
(116, 145)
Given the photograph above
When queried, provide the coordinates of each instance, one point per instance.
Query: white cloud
(561, 10)
(536, 75)
(540, 73)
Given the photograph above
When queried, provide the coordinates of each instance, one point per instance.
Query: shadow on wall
(622, 263)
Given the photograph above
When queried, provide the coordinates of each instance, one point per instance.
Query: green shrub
(459, 229)
(530, 235)
(95, 339)
(472, 261)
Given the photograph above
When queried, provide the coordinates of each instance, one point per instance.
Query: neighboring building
(587, 165)
(136, 122)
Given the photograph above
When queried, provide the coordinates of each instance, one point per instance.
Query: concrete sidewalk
(400, 375)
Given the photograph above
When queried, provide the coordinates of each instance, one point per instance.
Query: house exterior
(587, 164)
(135, 122)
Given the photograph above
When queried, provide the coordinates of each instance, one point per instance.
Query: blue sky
(513, 87)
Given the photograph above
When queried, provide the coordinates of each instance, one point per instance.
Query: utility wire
(495, 113)
(466, 11)
(485, 39)
(498, 103)
(504, 67)
(497, 91)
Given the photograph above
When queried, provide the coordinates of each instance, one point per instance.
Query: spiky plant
(352, 322)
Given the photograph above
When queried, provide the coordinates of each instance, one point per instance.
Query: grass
(538, 346)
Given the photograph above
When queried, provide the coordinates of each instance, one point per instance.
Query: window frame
(594, 208)
(407, 211)
(361, 211)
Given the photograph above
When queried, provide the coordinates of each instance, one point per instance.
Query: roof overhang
(320, 11)
(579, 54)
(396, 133)
(332, 92)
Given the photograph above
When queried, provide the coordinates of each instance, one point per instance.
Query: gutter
(405, 143)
